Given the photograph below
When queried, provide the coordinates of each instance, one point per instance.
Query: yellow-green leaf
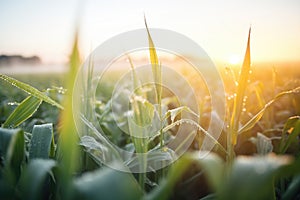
(156, 67)
(238, 101)
(23, 111)
(30, 90)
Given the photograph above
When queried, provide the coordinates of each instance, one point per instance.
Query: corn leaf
(211, 164)
(154, 159)
(156, 67)
(136, 81)
(263, 144)
(173, 113)
(21, 113)
(12, 146)
(249, 174)
(99, 184)
(292, 128)
(40, 144)
(143, 111)
(68, 137)
(30, 90)
(200, 128)
(293, 189)
(238, 101)
(34, 177)
(251, 123)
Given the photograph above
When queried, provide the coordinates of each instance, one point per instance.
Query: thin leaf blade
(22, 112)
(30, 90)
(156, 67)
(238, 101)
(251, 123)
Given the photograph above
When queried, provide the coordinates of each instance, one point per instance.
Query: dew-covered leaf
(40, 145)
(30, 90)
(22, 112)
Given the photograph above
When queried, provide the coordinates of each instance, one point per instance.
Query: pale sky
(46, 28)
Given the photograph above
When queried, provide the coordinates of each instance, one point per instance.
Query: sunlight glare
(234, 59)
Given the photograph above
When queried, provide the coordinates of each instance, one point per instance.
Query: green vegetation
(43, 156)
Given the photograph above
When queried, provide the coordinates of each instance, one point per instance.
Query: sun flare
(234, 59)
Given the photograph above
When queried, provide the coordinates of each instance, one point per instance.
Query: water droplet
(12, 103)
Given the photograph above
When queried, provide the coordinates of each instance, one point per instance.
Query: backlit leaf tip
(156, 67)
(242, 85)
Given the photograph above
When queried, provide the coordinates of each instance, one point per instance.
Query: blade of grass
(22, 112)
(30, 90)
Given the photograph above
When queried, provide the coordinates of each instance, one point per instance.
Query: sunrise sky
(46, 28)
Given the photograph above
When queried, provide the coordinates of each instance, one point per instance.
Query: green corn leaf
(40, 145)
(238, 101)
(5, 138)
(33, 178)
(250, 124)
(293, 189)
(164, 190)
(211, 164)
(292, 127)
(253, 177)
(211, 196)
(12, 147)
(99, 184)
(68, 133)
(136, 81)
(25, 110)
(30, 90)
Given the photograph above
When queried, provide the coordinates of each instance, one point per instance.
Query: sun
(234, 59)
